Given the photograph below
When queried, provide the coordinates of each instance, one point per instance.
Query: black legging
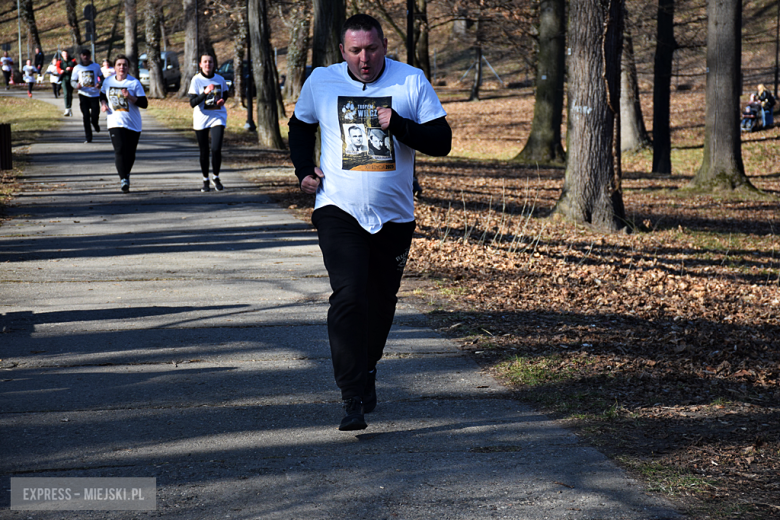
(125, 144)
(7, 76)
(217, 133)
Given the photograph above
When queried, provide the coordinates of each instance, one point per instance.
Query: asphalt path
(181, 335)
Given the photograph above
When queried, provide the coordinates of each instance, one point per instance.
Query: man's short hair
(86, 52)
(354, 127)
(361, 22)
(119, 57)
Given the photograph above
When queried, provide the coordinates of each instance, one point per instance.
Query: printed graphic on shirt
(87, 78)
(117, 100)
(212, 98)
(365, 146)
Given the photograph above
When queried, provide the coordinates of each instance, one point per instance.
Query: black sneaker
(369, 394)
(96, 127)
(217, 185)
(353, 415)
(124, 185)
(205, 187)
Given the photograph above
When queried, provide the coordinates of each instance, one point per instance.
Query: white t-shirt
(8, 63)
(89, 78)
(121, 113)
(29, 73)
(207, 113)
(371, 183)
(54, 77)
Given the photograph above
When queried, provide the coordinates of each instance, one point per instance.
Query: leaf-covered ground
(661, 347)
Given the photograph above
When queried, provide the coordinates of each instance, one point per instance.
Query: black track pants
(90, 112)
(217, 134)
(125, 144)
(365, 273)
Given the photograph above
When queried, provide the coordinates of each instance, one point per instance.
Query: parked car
(170, 67)
(226, 71)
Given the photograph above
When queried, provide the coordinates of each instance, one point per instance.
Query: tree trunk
(240, 34)
(73, 24)
(114, 27)
(544, 142)
(268, 134)
(722, 167)
(329, 16)
(190, 61)
(633, 134)
(131, 36)
(297, 50)
(662, 82)
(474, 94)
(157, 85)
(28, 15)
(205, 45)
(591, 189)
(421, 28)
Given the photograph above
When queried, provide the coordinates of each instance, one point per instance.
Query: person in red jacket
(65, 67)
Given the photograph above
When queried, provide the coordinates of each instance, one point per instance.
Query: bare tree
(28, 15)
(297, 50)
(190, 61)
(592, 182)
(722, 167)
(329, 16)
(474, 94)
(268, 133)
(544, 142)
(152, 17)
(114, 28)
(131, 36)
(662, 84)
(633, 133)
(421, 28)
(73, 23)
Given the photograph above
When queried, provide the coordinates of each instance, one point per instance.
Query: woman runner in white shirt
(208, 93)
(121, 96)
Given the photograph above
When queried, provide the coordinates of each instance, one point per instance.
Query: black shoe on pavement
(217, 185)
(369, 394)
(96, 127)
(205, 187)
(353, 415)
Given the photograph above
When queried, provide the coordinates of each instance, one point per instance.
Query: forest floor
(660, 347)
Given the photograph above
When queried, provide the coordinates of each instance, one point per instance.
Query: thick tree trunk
(633, 134)
(421, 28)
(28, 16)
(190, 61)
(131, 36)
(592, 185)
(157, 85)
(73, 24)
(297, 50)
(268, 133)
(205, 45)
(662, 82)
(544, 142)
(329, 16)
(722, 167)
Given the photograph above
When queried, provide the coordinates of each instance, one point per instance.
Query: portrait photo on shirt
(379, 144)
(359, 120)
(212, 97)
(117, 100)
(87, 78)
